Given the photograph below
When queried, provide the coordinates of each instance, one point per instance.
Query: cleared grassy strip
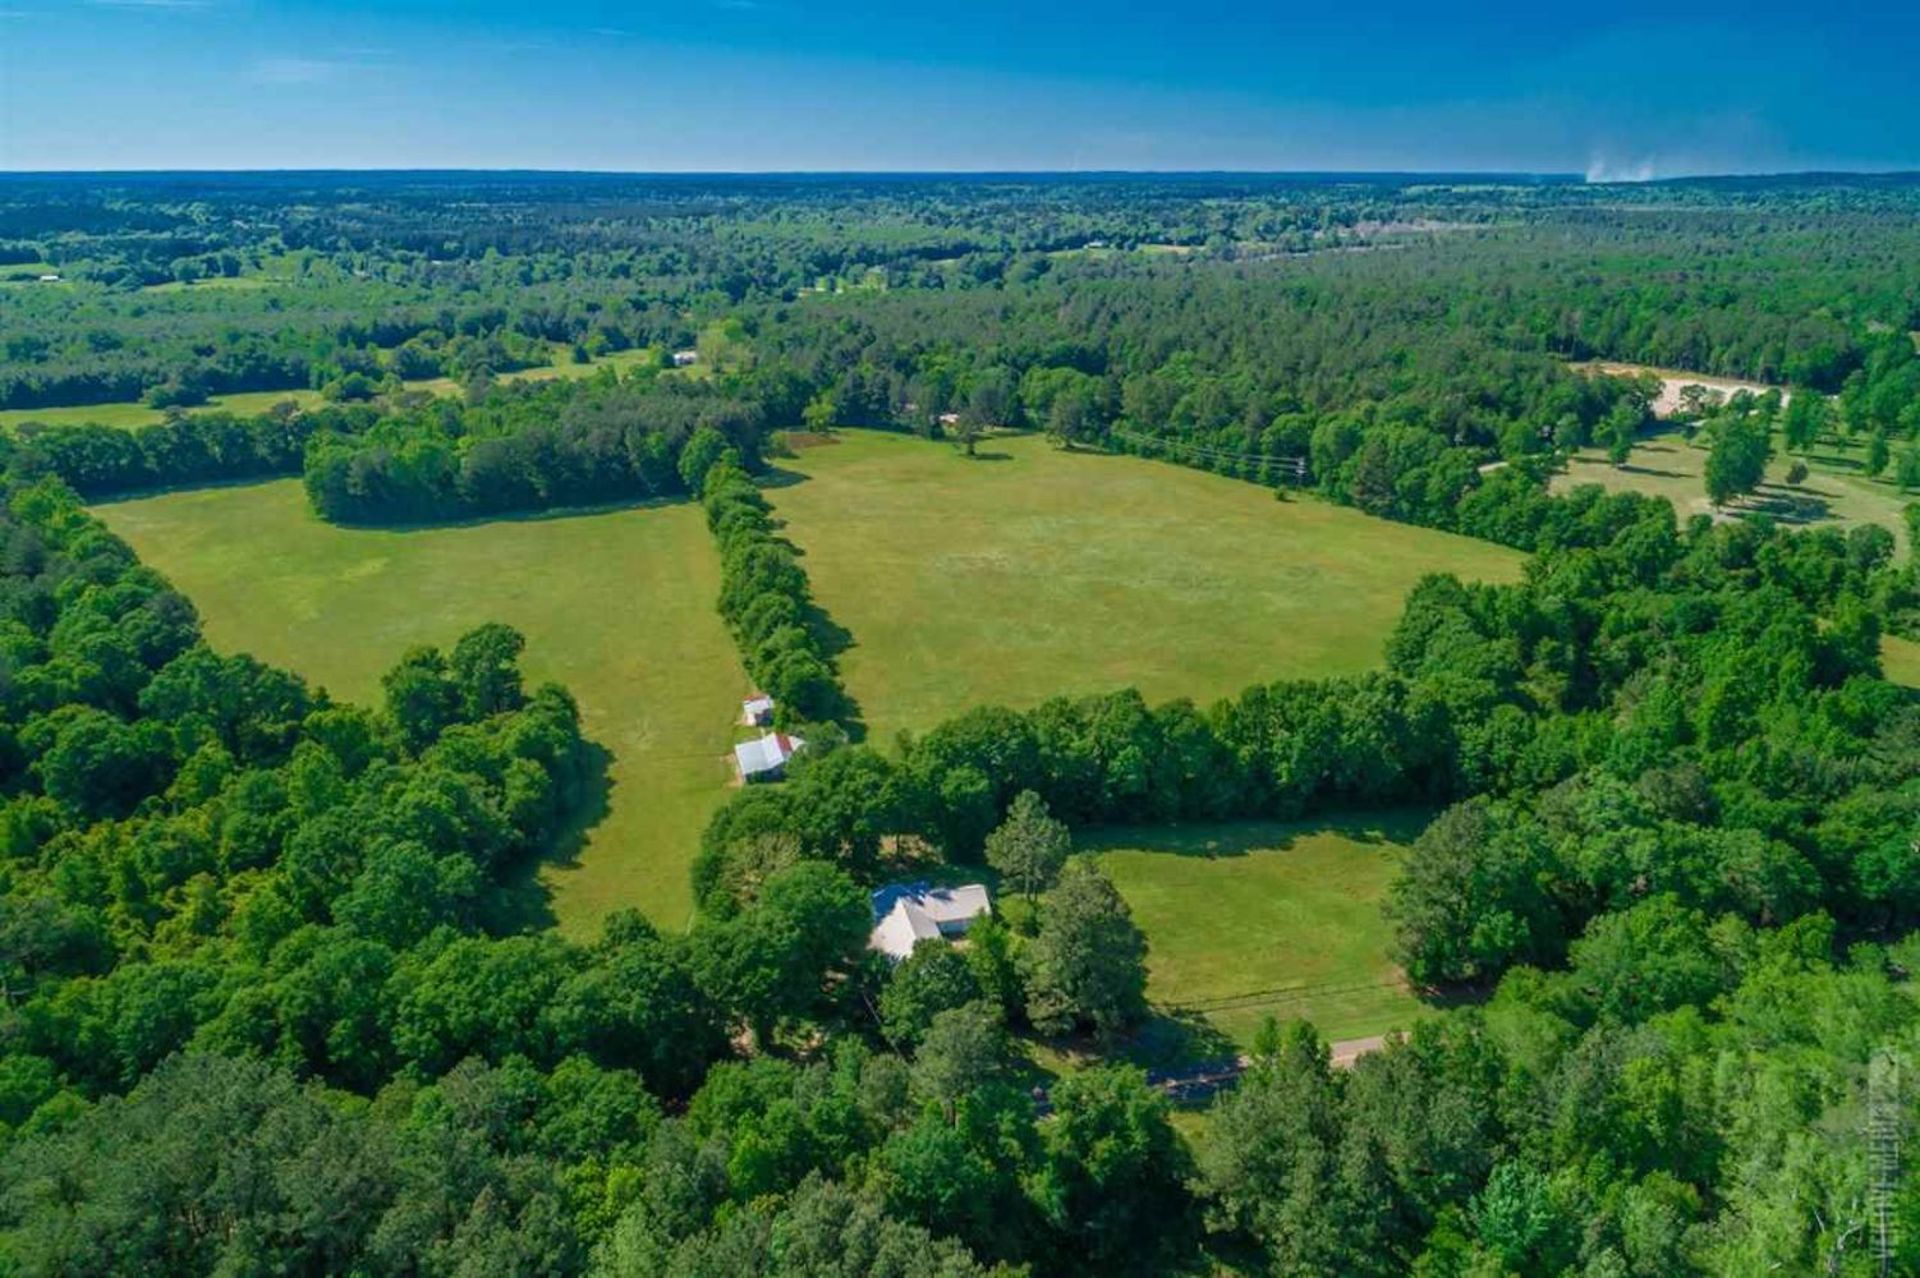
(249, 402)
(1029, 572)
(1268, 918)
(618, 606)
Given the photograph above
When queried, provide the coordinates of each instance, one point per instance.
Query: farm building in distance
(684, 359)
(905, 914)
(765, 759)
(757, 711)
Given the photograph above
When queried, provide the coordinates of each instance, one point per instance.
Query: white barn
(757, 710)
(765, 759)
(905, 914)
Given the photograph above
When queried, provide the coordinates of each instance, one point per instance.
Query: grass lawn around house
(1029, 571)
(246, 403)
(1247, 920)
(617, 606)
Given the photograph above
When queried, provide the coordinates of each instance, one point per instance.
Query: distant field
(618, 606)
(1037, 572)
(1250, 920)
(1836, 491)
(130, 414)
(1900, 660)
(218, 284)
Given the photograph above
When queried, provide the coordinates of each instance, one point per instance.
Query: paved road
(1346, 1053)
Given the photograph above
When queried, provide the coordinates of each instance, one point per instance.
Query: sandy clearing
(1672, 381)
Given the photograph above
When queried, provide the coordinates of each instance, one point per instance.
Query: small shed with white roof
(765, 759)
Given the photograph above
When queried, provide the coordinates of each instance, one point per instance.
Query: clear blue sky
(1625, 89)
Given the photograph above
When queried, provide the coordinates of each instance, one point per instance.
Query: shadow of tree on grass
(521, 901)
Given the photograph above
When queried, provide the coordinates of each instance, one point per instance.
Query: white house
(905, 914)
(682, 359)
(766, 758)
(757, 711)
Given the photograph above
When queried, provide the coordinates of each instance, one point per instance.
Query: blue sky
(1633, 90)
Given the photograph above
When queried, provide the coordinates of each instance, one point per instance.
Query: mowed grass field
(1029, 572)
(618, 606)
(1900, 660)
(1250, 920)
(1836, 492)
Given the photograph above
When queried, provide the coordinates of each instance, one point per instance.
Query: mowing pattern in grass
(1030, 572)
(616, 606)
(1265, 918)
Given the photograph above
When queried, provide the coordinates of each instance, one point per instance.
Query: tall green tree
(964, 1048)
(1088, 963)
(1737, 458)
(1114, 1177)
(1030, 846)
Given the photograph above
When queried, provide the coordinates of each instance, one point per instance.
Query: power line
(1293, 468)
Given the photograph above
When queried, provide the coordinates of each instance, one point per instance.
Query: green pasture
(1029, 571)
(1251, 920)
(618, 606)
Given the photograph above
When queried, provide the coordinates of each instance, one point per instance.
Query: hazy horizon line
(1558, 175)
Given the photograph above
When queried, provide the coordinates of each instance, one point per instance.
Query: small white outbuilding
(757, 710)
(765, 759)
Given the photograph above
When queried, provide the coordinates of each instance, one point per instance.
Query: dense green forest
(275, 993)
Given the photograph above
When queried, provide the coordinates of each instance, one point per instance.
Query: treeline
(1730, 673)
(530, 446)
(1368, 383)
(197, 448)
(255, 348)
(1282, 750)
(786, 642)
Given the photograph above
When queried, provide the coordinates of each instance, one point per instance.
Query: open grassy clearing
(1836, 491)
(1255, 919)
(1900, 660)
(133, 413)
(618, 606)
(217, 284)
(1029, 572)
